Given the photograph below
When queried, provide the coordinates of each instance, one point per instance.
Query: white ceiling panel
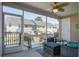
(72, 8)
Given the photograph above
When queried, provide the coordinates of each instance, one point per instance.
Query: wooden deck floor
(25, 53)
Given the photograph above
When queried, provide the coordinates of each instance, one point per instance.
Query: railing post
(19, 38)
(22, 32)
(1, 48)
(30, 42)
(46, 30)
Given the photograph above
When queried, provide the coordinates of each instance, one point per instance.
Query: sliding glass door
(37, 28)
(34, 29)
(12, 29)
(52, 27)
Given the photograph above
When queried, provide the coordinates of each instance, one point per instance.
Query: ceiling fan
(55, 7)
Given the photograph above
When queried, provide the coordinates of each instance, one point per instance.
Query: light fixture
(55, 10)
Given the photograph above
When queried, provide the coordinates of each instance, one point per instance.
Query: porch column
(0, 29)
(46, 30)
(60, 28)
(78, 40)
(22, 31)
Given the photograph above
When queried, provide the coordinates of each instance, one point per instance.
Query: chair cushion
(72, 45)
(50, 39)
(51, 45)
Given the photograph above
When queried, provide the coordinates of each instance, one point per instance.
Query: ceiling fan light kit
(55, 7)
(55, 10)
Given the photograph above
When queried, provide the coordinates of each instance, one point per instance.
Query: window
(52, 26)
(10, 25)
(12, 18)
(13, 22)
(12, 10)
(37, 28)
(26, 25)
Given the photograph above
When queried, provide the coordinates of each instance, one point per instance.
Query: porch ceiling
(72, 8)
(44, 8)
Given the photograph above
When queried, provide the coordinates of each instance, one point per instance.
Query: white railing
(11, 38)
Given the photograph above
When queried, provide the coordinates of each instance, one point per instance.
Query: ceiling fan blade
(61, 9)
(52, 4)
(60, 5)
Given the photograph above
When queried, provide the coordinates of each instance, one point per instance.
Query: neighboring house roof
(28, 22)
(40, 23)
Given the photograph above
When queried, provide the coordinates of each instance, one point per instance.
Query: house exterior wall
(0, 29)
(65, 33)
(74, 30)
(69, 30)
(29, 30)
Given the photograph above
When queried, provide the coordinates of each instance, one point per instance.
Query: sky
(29, 15)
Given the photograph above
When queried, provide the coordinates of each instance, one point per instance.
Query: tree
(38, 19)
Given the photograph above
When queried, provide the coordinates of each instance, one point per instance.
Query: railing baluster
(14, 38)
(11, 38)
(8, 38)
(4, 39)
(17, 38)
